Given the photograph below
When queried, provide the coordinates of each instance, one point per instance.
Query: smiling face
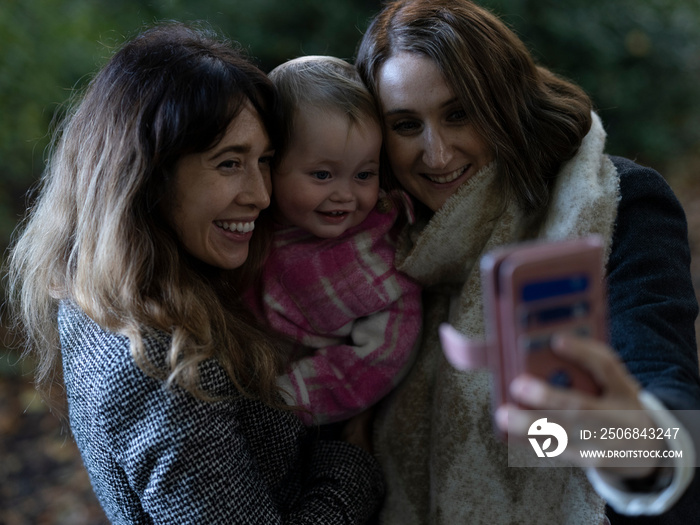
(328, 181)
(220, 192)
(431, 145)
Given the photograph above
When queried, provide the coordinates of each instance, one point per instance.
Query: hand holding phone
(532, 291)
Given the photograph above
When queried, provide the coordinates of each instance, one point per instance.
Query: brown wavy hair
(96, 234)
(532, 119)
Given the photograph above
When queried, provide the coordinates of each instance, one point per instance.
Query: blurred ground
(42, 480)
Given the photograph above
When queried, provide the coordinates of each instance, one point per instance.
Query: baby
(330, 283)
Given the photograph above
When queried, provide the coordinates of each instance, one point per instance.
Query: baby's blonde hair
(325, 83)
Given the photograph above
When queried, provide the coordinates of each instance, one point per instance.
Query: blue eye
(321, 175)
(365, 175)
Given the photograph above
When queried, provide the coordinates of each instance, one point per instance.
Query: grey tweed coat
(159, 455)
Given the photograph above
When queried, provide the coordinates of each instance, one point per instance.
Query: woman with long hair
(126, 276)
(494, 150)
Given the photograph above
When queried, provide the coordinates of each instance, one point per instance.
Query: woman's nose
(436, 150)
(257, 190)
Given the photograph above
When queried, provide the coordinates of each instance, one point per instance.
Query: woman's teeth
(444, 179)
(240, 227)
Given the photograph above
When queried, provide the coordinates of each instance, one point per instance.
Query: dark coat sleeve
(652, 303)
(652, 306)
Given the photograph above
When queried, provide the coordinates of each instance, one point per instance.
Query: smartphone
(532, 291)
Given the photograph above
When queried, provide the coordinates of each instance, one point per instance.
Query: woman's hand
(617, 405)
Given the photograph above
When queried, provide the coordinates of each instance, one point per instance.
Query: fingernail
(501, 417)
(518, 386)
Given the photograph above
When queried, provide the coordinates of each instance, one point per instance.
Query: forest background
(639, 61)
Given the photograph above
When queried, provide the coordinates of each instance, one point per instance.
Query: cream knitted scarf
(433, 434)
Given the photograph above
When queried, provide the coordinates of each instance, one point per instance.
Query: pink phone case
(531, 291)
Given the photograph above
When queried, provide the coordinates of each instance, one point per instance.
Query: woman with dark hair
(494, 150)
(126, 277)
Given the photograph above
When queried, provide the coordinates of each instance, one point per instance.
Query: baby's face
(328, 181)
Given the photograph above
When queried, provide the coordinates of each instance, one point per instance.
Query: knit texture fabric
(158, 455)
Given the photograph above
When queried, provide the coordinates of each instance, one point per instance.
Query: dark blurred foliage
(639, 61)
